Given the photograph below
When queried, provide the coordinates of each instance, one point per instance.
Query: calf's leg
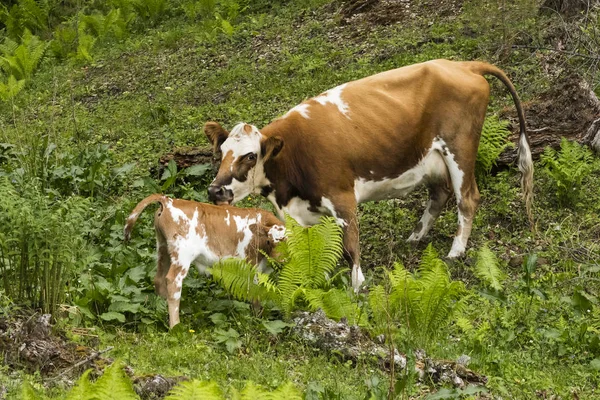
(174, 279)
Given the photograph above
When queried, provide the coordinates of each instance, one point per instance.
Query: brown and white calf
(188, 232)
(371, 139)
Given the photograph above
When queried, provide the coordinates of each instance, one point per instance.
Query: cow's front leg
(345, 214)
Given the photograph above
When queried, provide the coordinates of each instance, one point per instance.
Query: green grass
(153, 90)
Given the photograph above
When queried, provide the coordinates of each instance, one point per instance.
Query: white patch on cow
(243, 225)
(240, 143)
(301, 109)
(334, 96)
(524, 154)
(432, 164)
(299, 210)
(357, 277)
(459, 245)
(456, 174)
(328, 205)
(426, 222)
(277, 233)
(133, 216)
(177, 214)
(228, 218)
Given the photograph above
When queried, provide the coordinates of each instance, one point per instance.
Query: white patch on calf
(176, 213)
(228, 219)
(432, 164)
(243, 225)
(334, 96)
(277, 233)
(301, 109)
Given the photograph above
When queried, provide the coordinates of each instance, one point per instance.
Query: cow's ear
(270, 147)
(216, 134)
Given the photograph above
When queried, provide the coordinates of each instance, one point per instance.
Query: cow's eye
(251, 156)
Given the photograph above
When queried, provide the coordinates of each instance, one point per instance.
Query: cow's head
(244, 152)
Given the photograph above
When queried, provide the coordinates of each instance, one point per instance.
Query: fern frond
(336, 303)
(488, 269)
(114, 384)
(430, 259)
(28, 392)
(316, 250)
(82, 389)
(379, 304)
(195, 390)
(493, 141)
(252, 391)
(242, 280)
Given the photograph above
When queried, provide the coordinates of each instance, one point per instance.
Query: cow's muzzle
(219, 194)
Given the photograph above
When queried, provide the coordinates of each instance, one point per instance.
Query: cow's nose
(219, 194)
(214, 191)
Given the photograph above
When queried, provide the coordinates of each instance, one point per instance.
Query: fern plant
(567, 169)
(21, 60)
(113, 384)
(195, 390)
(307, 261)
(25, 15)
(423, 303)
(493, 141)
(487, 269)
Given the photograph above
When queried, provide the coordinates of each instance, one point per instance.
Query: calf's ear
(216, 134)
(270, 147)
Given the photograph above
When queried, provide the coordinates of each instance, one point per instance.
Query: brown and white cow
(188, 232)
(371, 139)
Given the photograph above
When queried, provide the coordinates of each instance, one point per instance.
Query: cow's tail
(153, 198)
(525, 161)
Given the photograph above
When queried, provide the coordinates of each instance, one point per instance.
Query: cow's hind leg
(439, 192)
(462, 176)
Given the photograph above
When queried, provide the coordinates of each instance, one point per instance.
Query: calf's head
(244, 152)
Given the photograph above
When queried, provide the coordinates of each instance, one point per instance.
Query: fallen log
(568, 109)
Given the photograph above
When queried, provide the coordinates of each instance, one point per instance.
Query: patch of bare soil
(384, 12)
(568, 109)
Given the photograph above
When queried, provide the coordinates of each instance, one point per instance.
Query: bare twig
(86, 360)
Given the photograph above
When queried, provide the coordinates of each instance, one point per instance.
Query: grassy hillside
(80, 142)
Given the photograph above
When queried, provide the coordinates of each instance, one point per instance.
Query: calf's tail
(525, 161)
(153, 198)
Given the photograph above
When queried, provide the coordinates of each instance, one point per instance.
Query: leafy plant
(493, 141)
(44, 253)
(307, 260)
(25, 15)
(424, 302)
(567, 169)
(488, 269)
(195, 390)
(22, 59)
